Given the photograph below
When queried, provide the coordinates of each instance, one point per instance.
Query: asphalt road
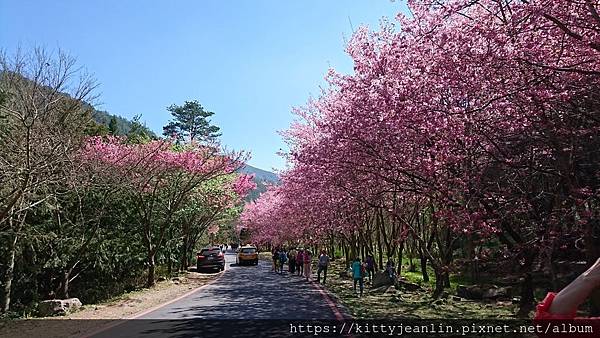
(246, 301)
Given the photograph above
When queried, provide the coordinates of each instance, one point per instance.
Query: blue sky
(249, 61)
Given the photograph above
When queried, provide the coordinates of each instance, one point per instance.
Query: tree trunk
(63, 292)
(424, 268)
(346, 255)
(439, 283)
(332, 251)
(8, 275)
(184, 261)
(151, 268)
(527, 303)
(379, 248)
(400, 250)
(362, 252)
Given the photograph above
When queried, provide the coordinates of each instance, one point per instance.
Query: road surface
(246, 301)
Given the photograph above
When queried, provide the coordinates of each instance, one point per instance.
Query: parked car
(248, 254)
(210, 258)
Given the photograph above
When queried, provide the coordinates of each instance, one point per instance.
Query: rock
(457, 299)
(60, 307)
(490, 293)
(381, 279)
(516, 300)
(469, 291)
(479, 292)
(382, 289)
(176, 279)
(409, 286)
(345, 274)
(495, 293)
(161, 279)
(508, 280)
(390, 291)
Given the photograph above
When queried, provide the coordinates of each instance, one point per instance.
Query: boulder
(345, 274)
(479, 292)
(381, 279)
(495, 293)
(508, 280)
(59, 307)
(391, 291)
(469, 291)
(384, 289)
(409, 286)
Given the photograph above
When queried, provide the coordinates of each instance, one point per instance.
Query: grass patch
(395, 304)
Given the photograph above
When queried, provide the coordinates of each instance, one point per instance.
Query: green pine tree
(113, 126)
(190, 123)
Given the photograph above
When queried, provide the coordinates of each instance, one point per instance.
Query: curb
(332, 305)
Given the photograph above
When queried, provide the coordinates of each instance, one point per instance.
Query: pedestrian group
(299, 262)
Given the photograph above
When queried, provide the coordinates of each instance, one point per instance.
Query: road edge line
(332, 305)
(120, 321)
(145, 312)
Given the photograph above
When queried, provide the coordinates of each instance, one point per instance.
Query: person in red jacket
(563, 305)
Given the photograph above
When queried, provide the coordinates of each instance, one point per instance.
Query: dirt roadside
(95, 316)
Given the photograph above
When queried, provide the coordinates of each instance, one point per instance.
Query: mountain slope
(123, 125)
(262, 178)
(260, 174)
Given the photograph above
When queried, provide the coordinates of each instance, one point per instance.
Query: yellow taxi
(248, 254)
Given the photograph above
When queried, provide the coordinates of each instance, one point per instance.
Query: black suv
(210, 258)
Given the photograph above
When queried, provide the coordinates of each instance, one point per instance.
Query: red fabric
(544, 317)
(543, 308)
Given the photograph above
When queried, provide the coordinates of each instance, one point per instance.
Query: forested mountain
(103, 117)
(123, 126)
(262, 178)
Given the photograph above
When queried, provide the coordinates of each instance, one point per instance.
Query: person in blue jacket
(358, 274)
(282, 259)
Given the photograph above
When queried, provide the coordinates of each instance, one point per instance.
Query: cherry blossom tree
(160, 177)
(471, 119)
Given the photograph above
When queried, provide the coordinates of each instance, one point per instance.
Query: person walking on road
(358, 274)
(282, 259)
(370, 261)
(300, 262)
(322, 267)
(306, 259)
(275, 258)
(292, 260)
